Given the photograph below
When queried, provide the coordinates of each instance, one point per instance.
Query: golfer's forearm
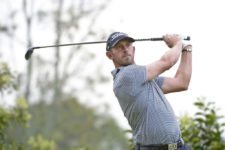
(172, 55)
(184, 70)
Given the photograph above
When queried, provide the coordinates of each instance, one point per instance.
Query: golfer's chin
(127, 61)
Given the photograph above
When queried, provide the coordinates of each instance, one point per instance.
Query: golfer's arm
(181, 80)
(165, 62)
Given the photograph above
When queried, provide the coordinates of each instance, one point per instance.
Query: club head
(188, 38)
(29, 53)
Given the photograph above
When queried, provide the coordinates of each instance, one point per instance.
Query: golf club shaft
(30, 50)
(99, 42)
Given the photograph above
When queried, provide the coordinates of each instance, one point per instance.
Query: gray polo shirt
(144, 105)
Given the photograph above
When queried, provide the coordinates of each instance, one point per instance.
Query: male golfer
(140, 90)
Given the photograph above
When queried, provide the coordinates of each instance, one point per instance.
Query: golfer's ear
(109, 54)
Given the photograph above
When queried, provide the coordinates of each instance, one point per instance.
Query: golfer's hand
(171, 39)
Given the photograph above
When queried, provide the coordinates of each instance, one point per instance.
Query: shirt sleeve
(159, 81)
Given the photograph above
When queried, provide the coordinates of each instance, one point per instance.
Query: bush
(204, 131)
(17, 115)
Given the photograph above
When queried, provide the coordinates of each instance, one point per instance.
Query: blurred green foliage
(71, 124)
(205, 130)
(17, 115)
(40, 143)
(55, 125)
(7, 82)
(8, 117)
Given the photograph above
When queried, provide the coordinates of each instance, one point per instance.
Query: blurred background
(62, 97)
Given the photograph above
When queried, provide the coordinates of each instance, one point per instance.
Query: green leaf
(199, 104)
(200, 120)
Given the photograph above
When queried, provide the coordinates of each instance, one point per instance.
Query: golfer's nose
(124, 48)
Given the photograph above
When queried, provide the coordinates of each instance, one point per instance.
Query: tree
(204, 131)
(62, 22)
(17, 115)
(66, 20)
(73, 125)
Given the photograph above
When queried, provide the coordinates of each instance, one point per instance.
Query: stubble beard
(126, 60)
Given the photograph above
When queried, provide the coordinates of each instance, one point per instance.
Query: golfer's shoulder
(133, 68)
(132, 71)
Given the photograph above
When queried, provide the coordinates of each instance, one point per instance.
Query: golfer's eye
(118, 47)
(121, 46)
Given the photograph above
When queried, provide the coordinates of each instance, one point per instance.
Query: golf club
(30, 50)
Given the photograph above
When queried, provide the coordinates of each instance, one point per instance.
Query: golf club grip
(187, 38)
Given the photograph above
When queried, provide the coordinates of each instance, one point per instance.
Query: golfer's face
(123, 53)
